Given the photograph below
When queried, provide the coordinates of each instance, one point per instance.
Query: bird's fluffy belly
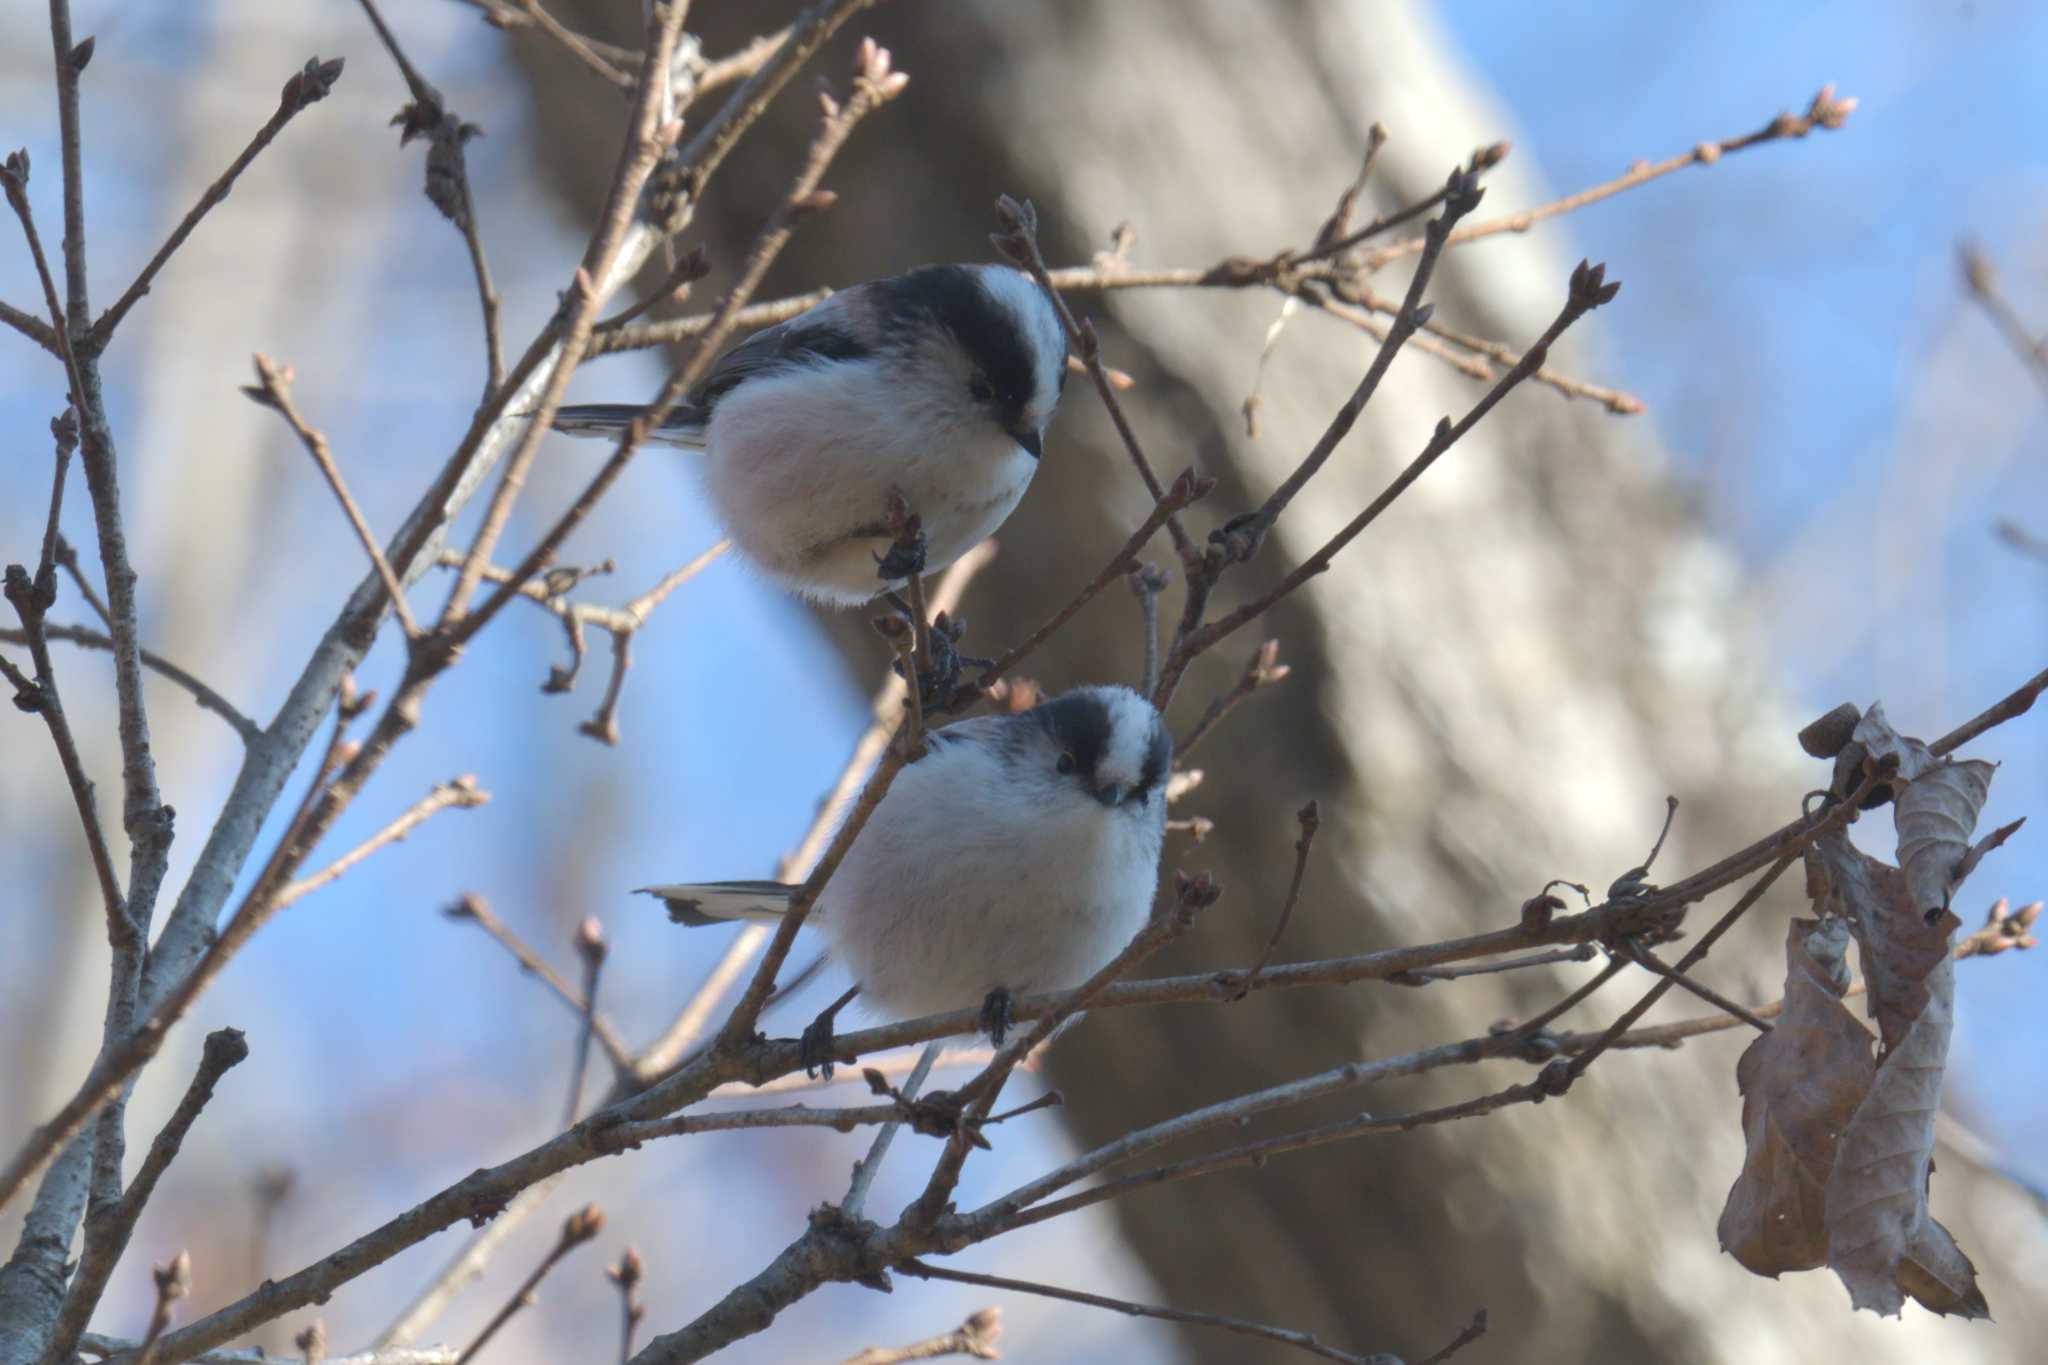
(927, 948)
(806, 507)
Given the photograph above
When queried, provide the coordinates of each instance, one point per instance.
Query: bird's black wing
(820, 334)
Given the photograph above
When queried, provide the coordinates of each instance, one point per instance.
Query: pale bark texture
(1498, 685)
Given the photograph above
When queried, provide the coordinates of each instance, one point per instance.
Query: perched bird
(935, 385)
(1020, 854)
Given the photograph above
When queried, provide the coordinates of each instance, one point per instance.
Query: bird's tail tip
(700, 903)
(595, 419)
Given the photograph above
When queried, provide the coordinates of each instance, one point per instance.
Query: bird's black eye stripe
(954, 297)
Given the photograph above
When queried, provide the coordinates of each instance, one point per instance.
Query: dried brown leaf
(1896, 945)
(1881, 1239)
(1935, 815)
(1800, 1085)
(1874, 732)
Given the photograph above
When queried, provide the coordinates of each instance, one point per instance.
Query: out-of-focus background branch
(1574, 615)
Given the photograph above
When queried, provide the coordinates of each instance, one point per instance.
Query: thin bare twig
(1470, 1333)
(208, 699)
(460, 792)
(1628, 1017)
(1185, 490)
(975, 1337)
(1192, 895)
(273, 390)
(1584, 952)
(1309, 817)
(1261, 670)
(67, 559)
(30, 326)
(1982, 283)
(1588, 290)
(92, 1343)
(39, 696)
(580, 1227)
(64, 430)
(306, 87)
(108, 1228)
(1301, 1341)
(1019, 241)
(447, 187)
(627, 1275)
(1643, 957)
(1826, 111)
(868, 1167)
(591, 948)
(604, 59)
(470, 906)
(173, 1282)
(1146, 582)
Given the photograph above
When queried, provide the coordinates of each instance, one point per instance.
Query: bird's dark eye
(1065, 764)
(981, 390)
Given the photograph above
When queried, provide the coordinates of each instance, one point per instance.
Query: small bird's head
(992, 346)
(1109, 741)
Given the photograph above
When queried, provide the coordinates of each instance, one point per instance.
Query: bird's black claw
(902, 560)
(817, 1046)
(996, 1016)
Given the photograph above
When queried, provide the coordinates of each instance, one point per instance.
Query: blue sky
(1793, 318)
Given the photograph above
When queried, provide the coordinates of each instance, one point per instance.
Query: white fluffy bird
(935, 386)
(1020, 854)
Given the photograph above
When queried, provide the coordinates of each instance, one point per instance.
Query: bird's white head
(1112, 742)
(989, 346)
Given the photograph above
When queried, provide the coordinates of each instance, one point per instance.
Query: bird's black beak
(1032, 440)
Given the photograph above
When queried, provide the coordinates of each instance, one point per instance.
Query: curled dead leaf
(1882, 1240)
(1935, 815)
(1801, 1083)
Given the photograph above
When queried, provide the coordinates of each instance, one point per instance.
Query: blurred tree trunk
(1497, 686)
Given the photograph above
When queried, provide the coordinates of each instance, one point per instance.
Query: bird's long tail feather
(700, 903)
(684, 425)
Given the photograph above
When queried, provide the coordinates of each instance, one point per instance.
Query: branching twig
(1589, 290)
(1826, 111)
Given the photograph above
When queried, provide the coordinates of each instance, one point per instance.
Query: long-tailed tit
(1020, 854)
(934, 386)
